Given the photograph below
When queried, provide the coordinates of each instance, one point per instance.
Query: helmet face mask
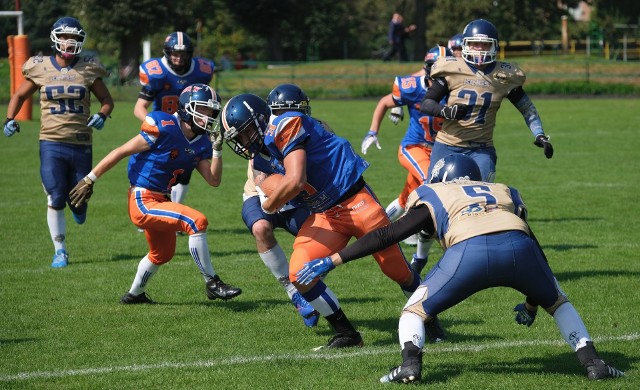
(200, 107)
(477, 34)
(178, 51)
(455, 167)
(245, 119)
(288, 97)
(68, 37)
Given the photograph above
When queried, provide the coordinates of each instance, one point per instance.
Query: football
(270, 183)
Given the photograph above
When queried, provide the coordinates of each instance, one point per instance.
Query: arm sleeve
(435, 93)
(416, 219)
(519, 98)
(146, 94)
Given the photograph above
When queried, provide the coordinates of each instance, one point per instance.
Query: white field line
(333, 355)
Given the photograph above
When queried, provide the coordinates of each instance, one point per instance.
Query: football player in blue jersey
(322, 173)
(163, 79)
(66, 81)
(285, 97)
(475, 86)
(167, 146)
(487, 242)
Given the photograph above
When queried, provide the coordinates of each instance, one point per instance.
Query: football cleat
(217, 289)
(345, 341)
(418, 264)
(130, 299)
(597, 369)
(434, 331)
(60, 259)
(79, 218)
(309, 315)
(409, 372)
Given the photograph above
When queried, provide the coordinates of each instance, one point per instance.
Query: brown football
(270, 183)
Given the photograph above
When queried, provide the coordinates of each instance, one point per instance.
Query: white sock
(146, 269)
(572, 329)
(326, 302)
(411, 328)
(422, 250)
(199, 249)
(57, 228)
(276, 261)
(393, 210)
(179, 192)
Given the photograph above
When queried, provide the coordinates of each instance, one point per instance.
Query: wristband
(216, 153)
(92, 176)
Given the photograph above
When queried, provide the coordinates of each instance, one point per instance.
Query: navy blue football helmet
(178, 42)
(433, 54)
(74, 36)
(455, 166)
(245, 119)
(480, 31)
(288, 97)
(196, 96)
(455, 43)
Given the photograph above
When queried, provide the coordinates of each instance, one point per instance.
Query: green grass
(65, 328)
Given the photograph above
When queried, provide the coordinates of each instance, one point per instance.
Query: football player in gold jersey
(487, 243)
(66, 81)
(475, 85)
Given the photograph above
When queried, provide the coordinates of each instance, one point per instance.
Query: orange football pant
(323, 234)
(161, 219)
(415, 159)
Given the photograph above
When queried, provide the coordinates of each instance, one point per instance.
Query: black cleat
(344, 341)
(217, 289)
(597, 369)
(130, 299)
(434, 331)
(409, 372)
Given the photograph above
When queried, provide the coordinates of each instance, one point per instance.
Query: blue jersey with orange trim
(333, 167)
(165, 85)
(171, 153)
(409, 91)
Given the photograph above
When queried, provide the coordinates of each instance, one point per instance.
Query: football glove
(370, 139)
(457, 111)
(11, 127)
(542, 141)
(396, 115)
(314, 269)
(524, 316)
(81, 193)
(97, 120)
(217, 139)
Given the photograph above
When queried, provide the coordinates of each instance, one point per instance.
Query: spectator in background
(397, 35)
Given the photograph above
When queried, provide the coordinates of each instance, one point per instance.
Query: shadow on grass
(561, 364)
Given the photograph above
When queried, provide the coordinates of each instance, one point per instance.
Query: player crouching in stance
(166, 146)
(488, 243)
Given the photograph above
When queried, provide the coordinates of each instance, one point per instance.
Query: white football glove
(396, 114)
(370, 139)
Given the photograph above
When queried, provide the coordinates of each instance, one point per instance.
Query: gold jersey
(65, 97)
(464, 209)
(483, 92)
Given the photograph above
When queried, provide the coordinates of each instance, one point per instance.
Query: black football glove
(542, 141)
(457, 111)
(523, 315)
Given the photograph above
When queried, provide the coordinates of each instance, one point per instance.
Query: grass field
(65, 328)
